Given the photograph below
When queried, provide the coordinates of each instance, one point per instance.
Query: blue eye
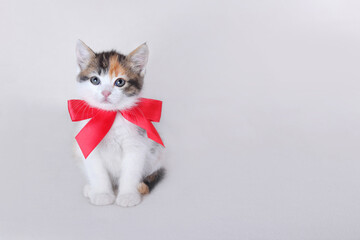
(119, 82)
(95, 80)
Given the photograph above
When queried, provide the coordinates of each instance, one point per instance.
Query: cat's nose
(105, 93)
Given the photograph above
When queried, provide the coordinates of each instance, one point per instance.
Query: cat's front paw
(98, 198)
(101, 199)
(128, 199)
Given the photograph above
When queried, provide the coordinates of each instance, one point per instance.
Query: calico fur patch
(151, 181)
(114, 64)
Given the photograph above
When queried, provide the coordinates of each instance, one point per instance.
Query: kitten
(126, 163)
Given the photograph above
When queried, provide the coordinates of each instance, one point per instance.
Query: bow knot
(145, 112)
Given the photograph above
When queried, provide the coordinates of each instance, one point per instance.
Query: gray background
(260, 119)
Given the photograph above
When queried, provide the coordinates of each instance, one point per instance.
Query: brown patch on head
(143, 188)
(115, 69)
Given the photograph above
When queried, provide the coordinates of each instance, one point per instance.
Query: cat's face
(110, 80)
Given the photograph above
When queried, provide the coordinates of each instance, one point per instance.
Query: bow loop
(79, 110)
(151, 109)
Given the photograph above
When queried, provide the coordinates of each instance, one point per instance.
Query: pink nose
(105, 93)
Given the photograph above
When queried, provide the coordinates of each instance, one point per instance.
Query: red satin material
(95, 130)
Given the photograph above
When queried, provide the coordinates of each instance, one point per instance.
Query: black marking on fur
(141, 131)
(154, 147)
(84, 78)
(135, 83)
(133, 87)
(153, 179)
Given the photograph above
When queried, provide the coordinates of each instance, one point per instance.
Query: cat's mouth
(105, 100)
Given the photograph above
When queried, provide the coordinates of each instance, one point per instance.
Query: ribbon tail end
(84, 150)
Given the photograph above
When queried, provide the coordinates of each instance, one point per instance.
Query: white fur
(123, 157)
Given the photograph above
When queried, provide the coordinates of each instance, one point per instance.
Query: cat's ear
(138, 59)
(84, 54)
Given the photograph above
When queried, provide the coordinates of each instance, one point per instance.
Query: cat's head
(110, 80)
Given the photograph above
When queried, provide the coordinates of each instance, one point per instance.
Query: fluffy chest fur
(122, 133)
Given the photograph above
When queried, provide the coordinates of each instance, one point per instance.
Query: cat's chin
(109, 106)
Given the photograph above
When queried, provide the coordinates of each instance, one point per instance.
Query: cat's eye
(119, 82)
(95, 80)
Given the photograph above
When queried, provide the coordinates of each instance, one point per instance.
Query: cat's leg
(99, 190)
(131, 175)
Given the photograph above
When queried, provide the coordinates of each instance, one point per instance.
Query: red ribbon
(145, 112)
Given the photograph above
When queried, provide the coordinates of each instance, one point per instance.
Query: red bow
(90, 136)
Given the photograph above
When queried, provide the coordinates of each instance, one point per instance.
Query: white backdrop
(260, 119)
